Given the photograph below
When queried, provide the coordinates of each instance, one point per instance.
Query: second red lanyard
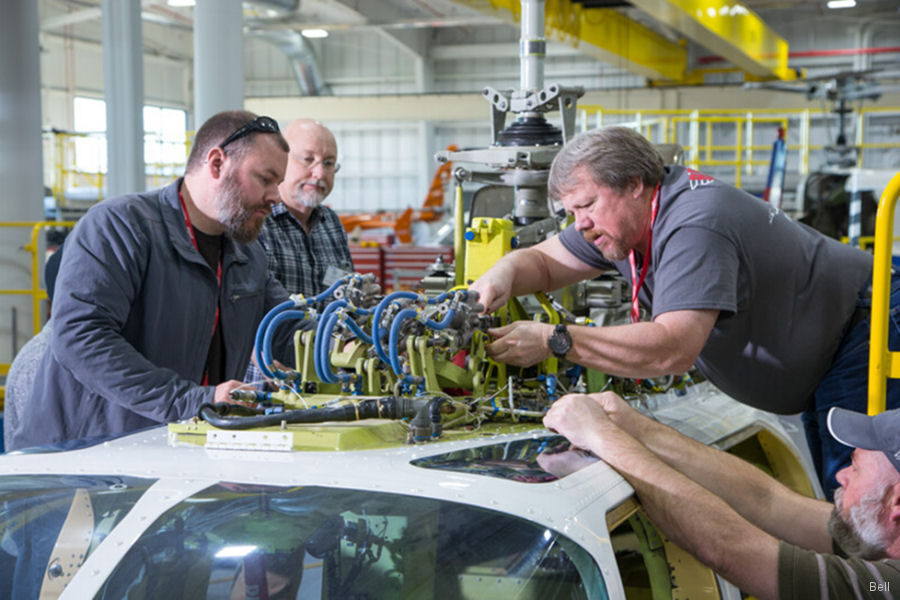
(190, 229)
(637, 283)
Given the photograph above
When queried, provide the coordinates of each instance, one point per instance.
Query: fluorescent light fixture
(314, 33)
(181, 3)
(841, 3)
(235, 551)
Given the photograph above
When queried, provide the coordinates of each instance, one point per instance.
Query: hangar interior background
(398, 80)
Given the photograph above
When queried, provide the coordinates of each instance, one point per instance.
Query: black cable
(220, 414)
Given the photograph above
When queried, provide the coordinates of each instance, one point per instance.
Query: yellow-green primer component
(342, 436)
(488, 240)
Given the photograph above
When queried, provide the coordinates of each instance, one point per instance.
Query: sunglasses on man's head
(261, 124)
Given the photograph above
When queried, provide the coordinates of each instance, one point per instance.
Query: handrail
(693, 130)
(883, 363)
(35, 292)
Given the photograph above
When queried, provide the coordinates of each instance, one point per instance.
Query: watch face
(560, 341)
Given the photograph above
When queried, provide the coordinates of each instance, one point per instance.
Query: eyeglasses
(261, 124)
(329, 165)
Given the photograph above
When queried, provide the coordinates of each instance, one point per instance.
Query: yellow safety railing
(751, 132)
(882, 362)
(36, 292)
(67, 176)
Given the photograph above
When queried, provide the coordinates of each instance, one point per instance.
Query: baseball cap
(858, 430)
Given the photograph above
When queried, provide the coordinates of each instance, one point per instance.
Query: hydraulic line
(223, 415)
(330, 316)
(376, 321)
(443, 323)
(394, 338)
(295, 302)
(331, 289)
(320, 355)
(261, 331)
(356, 329)
(270, 333)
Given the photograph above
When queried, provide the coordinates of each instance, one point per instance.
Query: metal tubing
(532, 46)
(459, 244)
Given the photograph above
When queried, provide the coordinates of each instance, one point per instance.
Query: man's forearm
(635, 350)
(695, 519)
(752, 493)
(526, 271)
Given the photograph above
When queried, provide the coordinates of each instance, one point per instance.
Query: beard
(236, 217)
(861, 535)
(311, 198)
(612, 250)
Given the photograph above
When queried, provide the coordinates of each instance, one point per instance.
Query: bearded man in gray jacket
(159, 294)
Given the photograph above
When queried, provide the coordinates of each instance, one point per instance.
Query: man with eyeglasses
(302, 237)
(159, 294)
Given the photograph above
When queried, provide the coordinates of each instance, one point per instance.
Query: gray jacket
(132, 319)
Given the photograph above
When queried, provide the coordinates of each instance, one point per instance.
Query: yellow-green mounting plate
(356, 435)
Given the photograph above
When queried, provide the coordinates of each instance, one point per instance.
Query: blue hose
(357, 330)
(330, 290)
(443, 323)
(325, 328)
(376, 318)
(261, 332)
(393, 339)
(322, 358)
(270, 333)
(319, 355)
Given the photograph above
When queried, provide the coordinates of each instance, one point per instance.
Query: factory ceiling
(656, 39)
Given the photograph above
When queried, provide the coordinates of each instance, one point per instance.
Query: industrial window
(165, 135)
(90, 143)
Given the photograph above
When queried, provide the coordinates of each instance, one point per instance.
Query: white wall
(387, 158)
(378, 167)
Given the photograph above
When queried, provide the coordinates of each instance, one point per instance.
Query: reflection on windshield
(233, 541)
(51, 523)
(520, 460)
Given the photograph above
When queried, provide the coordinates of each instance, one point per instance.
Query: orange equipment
(401, 223)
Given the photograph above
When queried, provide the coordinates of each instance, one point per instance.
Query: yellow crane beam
(729, 29)
(609, 36)
(605, 34)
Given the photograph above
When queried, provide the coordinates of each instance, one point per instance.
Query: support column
(426, 129)
(123, 83)
(21, 164)
(218, 58)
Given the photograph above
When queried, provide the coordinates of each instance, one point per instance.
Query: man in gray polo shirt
(771, 311)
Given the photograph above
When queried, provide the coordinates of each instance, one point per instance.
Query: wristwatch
(560, 341)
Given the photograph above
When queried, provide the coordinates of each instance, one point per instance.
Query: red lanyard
(637, 283)
(190, 229)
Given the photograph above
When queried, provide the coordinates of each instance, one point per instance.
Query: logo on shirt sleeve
(697, 179)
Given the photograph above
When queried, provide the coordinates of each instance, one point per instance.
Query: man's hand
(620, 412)
(224, 389)
(581, 419)
(493, 290)
(521, 343)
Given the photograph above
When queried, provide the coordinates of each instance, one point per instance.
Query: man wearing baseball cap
(765, 538)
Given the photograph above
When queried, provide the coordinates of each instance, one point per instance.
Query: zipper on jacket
(236, 297)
